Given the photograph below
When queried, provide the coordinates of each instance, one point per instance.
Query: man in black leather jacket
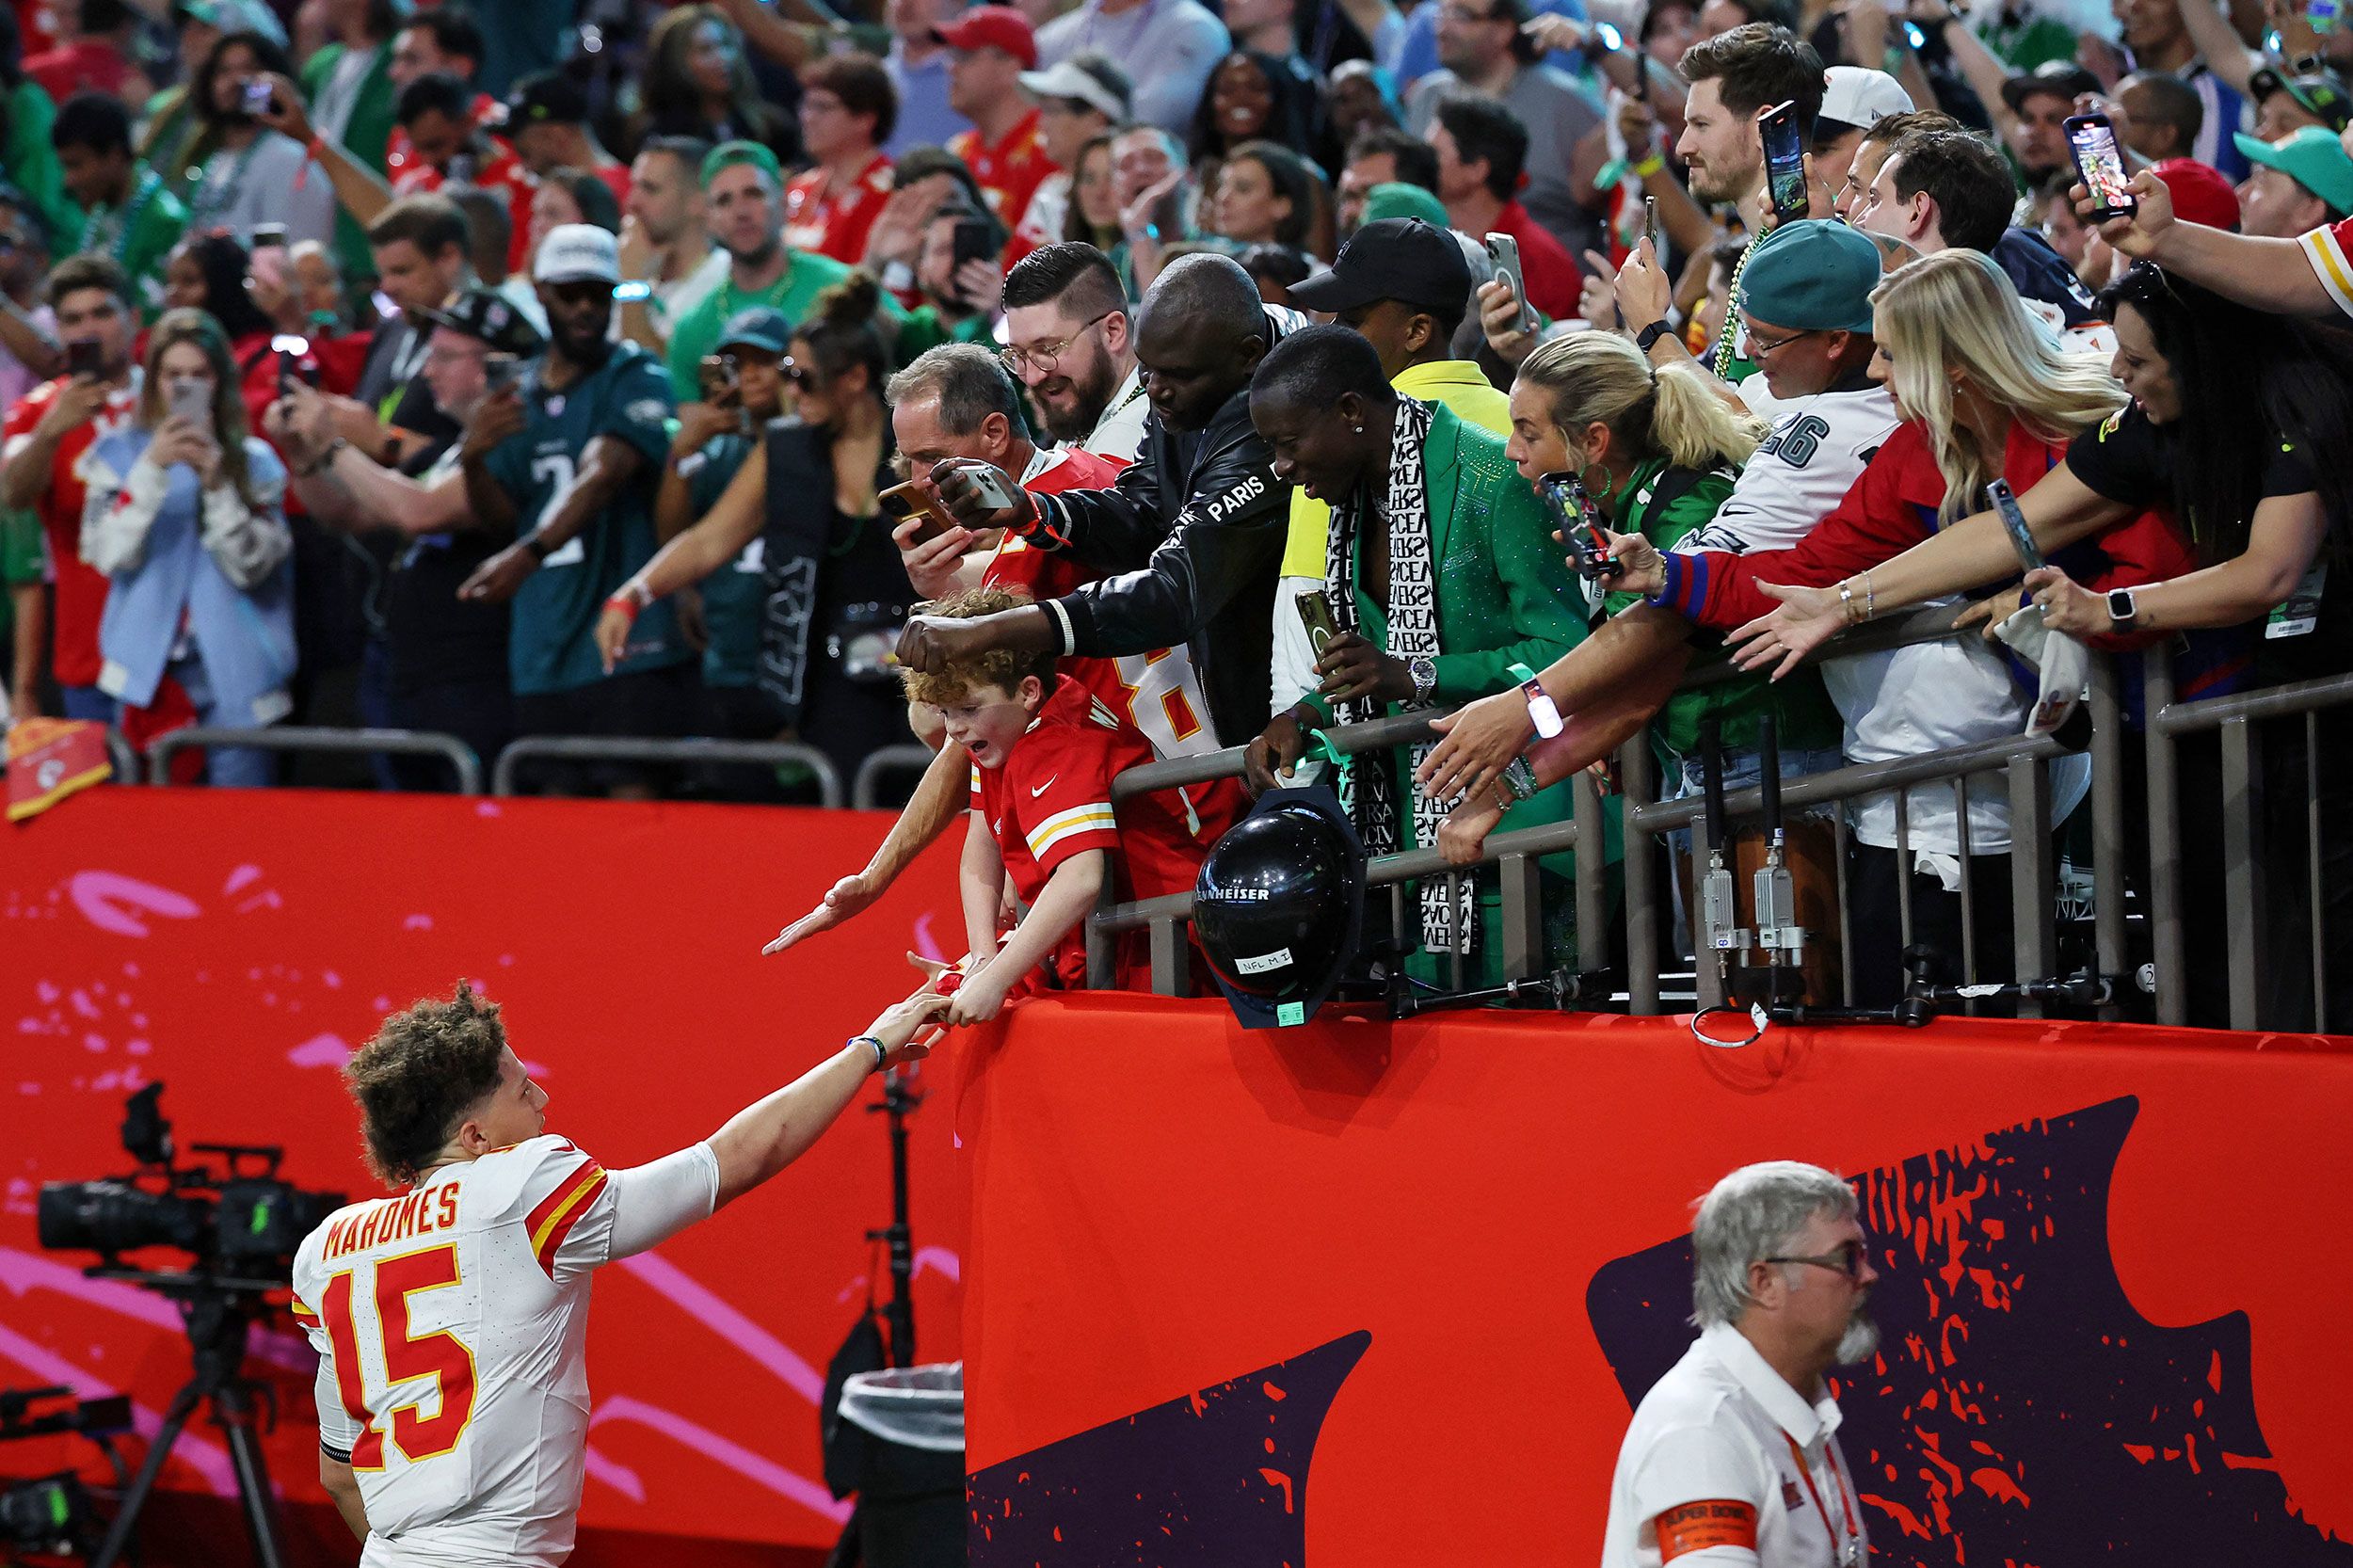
(1194, 530)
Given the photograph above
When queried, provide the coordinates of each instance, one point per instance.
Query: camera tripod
(218, 1313)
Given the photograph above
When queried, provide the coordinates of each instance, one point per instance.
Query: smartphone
(1785, 160)
(1650, 227)
(267, 235)
(1504, 251)
(1579, 519)
(497, 372)
(1315, 610)
(85, 359)
(1999, 497)
(974, 239)
(291, 349)
(990, 485)
(2091, 138)
(1641, 75)
(910, 499)
(719, 379)
(191, 400)
(257, 96)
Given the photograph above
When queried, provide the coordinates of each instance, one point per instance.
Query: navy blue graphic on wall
(2019, 1411)
(1216, 1479)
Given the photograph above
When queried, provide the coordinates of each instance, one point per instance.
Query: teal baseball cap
(1812, 275)
(2313, 157)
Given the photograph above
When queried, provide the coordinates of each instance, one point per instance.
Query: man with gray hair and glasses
(1732, 1456)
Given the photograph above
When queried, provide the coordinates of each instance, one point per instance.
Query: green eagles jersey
(736, 595)
(552, 645)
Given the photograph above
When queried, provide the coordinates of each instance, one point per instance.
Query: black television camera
(240, 1218)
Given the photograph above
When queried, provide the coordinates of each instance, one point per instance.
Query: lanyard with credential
(1849, 1547)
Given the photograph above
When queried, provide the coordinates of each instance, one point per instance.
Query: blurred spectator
(443, 144)
(848, 110)
(917, 64)
(1359, 97)
(990, 48)
(1418, 52)
(1482, 150)
(664, 246)
(2163, 116)
(923, 181)
(43, 443)
(242, 174)
(170, 117)
(446, 657)
(301, 291)
(1382, 157)
(960, 272)
(2158, 41)
(1167, 48)
(2039, 104)
(1071, 344)
(1485, 51)
(1078, 101)
(28, 352)
(547, 119)
(836, 589)
(97, 58)
(418, 245)
(744, 391)
(572, 195)
(1313, 41)
(2284, 104)
(207, 274)
(2302, 181)
(490, 239)
(134, 219)
(569, 457)
(2075, 244)
(1093, 216)
(442, 41)
(744, 205)
(697, 84)
(1254, 97)
(349, 85)
(1276, 269)
(185, 516)
(1265, 193)
(28, 156)
(1151, 180)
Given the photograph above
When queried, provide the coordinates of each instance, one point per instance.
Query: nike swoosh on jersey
(1043, 788)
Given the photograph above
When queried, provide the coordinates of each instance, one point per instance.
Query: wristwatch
(1424, 674)
(1651, 334)
(1519, 778)
(2122, 609)
(539, 548)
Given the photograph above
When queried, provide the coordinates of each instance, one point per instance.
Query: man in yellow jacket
(1405, 285)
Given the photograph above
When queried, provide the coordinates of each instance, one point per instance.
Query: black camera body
(242, 1218)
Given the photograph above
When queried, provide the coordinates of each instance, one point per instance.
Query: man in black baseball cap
(1404, 286)
(2038, 102)
(2286, 104)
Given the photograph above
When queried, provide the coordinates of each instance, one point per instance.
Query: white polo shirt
(1720, 1427)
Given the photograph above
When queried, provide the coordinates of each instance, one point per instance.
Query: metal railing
(300, 738)
(682, 753)
(866, 784)
(2017, 766)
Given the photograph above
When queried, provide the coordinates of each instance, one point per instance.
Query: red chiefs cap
(992, 27)
(2200, 193)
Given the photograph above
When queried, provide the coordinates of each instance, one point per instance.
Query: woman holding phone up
(186, 517)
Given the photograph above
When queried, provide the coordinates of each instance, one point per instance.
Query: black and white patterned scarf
(1368, 785)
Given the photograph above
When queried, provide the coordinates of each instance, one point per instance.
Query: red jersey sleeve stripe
(587, 1171)
(547, 1243)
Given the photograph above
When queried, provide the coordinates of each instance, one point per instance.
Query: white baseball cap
(1069, 79)
(578, 253)
(1858, 96)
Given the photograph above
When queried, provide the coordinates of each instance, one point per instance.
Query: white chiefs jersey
(451, 1323)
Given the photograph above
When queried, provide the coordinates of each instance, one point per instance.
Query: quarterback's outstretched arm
(763, 1138)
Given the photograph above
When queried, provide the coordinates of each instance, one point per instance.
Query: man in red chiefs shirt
(439, 139)
(1006, 149)
(848, 110)
(42, 447)
(441, 41)
(956, 402)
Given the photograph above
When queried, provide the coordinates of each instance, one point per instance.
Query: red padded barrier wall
(237, 945)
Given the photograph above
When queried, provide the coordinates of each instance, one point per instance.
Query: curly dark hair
(416, 1079)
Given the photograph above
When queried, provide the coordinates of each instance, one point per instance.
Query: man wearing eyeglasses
(1733, 1457)
(1070, 343)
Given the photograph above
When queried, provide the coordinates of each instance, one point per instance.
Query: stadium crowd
(567, 369)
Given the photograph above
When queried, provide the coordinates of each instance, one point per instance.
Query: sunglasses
(1847, 1259)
